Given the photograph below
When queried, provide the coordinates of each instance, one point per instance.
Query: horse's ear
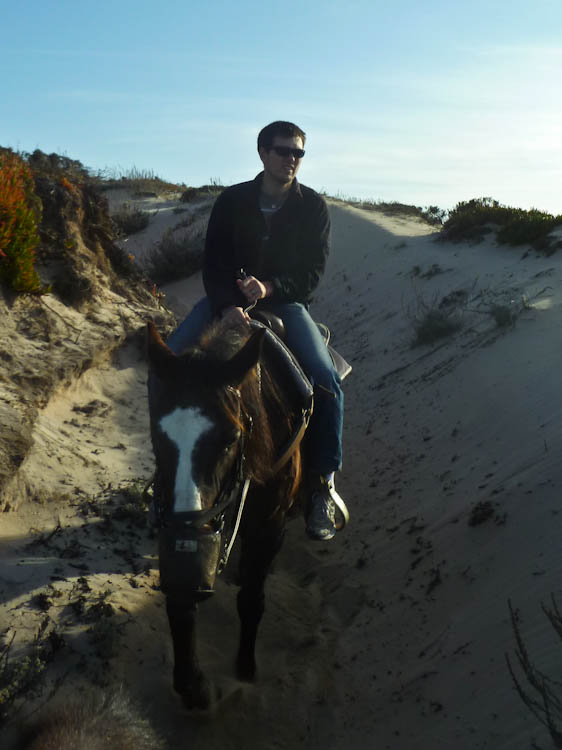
(234, 371)
(160, 357)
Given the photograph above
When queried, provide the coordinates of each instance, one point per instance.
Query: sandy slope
(166, 212)
(431, 432)
(392, 636)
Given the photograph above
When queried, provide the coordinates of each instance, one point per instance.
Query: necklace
(270, 203)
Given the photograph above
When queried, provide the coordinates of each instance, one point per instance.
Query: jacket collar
(294, 190)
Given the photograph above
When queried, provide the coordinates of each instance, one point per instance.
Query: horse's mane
(262, 399)
(222, 341)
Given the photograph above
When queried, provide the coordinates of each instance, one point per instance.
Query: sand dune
(393, 635)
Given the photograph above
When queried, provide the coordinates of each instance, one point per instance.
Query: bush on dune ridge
(56, 167)
(432, 215)
(40, 193)
(471, 220)
(191, 194)
(41, 197)
(143, 182)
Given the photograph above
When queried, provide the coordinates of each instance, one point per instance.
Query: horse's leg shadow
(189, 680)
(260, 546)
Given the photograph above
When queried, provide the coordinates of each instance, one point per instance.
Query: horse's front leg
(189, 680)
(258, 552)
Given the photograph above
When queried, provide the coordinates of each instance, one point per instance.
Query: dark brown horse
(222, 425)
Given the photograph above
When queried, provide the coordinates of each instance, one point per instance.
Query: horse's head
(198, 420)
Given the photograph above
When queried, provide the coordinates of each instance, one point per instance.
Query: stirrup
(342, 508)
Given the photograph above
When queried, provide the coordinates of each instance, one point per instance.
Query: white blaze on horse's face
(185, 427)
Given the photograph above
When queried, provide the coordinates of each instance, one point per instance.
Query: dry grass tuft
(540, 693)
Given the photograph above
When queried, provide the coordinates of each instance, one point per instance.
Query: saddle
(275, 324)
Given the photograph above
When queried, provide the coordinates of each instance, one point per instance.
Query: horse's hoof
(198, 696)
(246, 670)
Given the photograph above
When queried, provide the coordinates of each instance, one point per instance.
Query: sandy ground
(394, 634)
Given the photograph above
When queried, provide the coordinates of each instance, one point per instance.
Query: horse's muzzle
(189, 558)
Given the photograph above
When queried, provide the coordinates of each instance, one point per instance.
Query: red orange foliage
(19, 213)
(65, 182)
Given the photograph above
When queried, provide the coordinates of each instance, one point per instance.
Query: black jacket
(292, 254)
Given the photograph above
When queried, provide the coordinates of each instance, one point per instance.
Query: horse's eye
(232, 438)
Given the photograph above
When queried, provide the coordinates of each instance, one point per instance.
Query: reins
(294, 442)
(226, 554)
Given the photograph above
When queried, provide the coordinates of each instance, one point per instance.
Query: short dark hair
(279, 128)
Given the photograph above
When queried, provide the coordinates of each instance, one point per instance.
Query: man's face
(282, 169)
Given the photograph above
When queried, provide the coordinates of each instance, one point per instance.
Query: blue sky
(420, 101)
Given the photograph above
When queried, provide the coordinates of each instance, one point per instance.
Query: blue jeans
(189, 331)
(304, 340)
(324, 434)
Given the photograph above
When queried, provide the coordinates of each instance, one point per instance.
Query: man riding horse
(267, 241)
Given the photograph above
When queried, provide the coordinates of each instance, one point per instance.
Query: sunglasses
(285, 151)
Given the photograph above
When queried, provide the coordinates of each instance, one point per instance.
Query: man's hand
(254, 289)
(235, 315)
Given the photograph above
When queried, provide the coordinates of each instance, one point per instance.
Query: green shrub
(471, 220)
(130, 219)
(143, 182)
(122, 262)
(53, 166)
(175, 257)
(526, 227)
(191, 194)
(434, 214)
(20, 210)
